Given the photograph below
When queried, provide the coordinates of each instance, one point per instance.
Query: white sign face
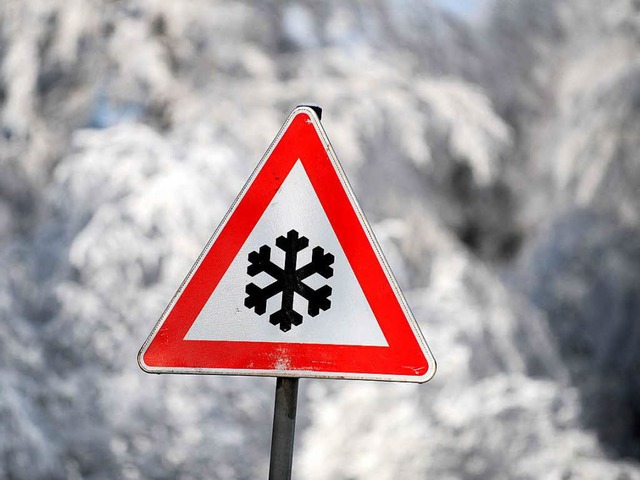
(292, 283)
(348, 321)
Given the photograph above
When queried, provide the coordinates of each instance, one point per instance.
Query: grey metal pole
(284, 426)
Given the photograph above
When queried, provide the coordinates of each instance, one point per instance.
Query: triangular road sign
(293, 282)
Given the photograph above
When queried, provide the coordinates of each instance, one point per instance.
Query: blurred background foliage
(493, 144)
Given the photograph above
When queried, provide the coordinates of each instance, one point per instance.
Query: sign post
(292, 284)
(284, 426)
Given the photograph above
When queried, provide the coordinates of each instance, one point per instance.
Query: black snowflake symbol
(289, 280)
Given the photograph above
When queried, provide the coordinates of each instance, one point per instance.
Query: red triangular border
(407, 358)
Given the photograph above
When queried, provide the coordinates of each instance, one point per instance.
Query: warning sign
(292, 283)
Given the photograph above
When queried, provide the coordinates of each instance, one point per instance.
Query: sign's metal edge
(432, 366)
(290, 374)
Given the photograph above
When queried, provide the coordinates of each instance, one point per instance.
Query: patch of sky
(107, 112)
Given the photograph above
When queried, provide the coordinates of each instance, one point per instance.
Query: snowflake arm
(291, 245)
(317, 299)
(320, 263)
(257, 297)
(285, 317)
(260, 261)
